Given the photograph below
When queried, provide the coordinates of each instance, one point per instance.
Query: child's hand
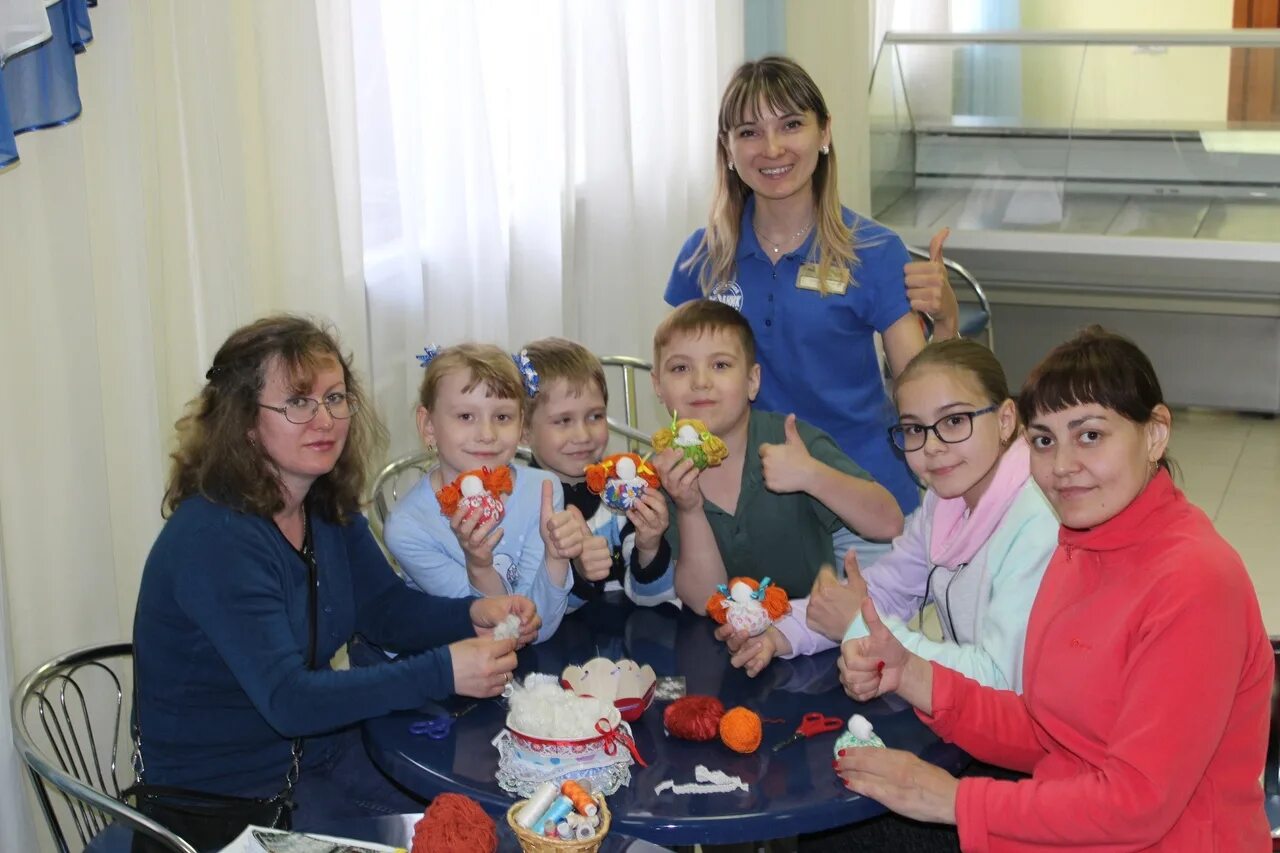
(679, 479)
(786, 467)
(650, 518)
(832, 604)
(731, 637)
(756, 652)
(872, 665)
(477, 540)
(563, 531)
(596, 561)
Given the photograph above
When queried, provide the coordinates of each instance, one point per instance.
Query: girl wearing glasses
(1144, 716)
(976, 548)
(264, 569)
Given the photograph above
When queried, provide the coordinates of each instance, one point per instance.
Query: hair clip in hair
(428, 353)
(527, 372)
(214, 372)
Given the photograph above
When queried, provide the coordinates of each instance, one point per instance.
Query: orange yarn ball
(741, 730)
(455, 824)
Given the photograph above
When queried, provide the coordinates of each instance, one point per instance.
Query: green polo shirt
(786, 537)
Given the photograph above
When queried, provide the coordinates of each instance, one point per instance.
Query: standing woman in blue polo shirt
(815, 280)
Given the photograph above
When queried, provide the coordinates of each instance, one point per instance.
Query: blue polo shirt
(817, 353)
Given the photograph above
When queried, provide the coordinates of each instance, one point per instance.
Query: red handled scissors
(811, 724)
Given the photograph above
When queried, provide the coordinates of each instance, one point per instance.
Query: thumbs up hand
(872, 665)
(833, 604)
(929, 290)
(563, 532)
(787, 467)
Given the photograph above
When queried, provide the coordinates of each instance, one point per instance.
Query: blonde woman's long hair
(784, 87)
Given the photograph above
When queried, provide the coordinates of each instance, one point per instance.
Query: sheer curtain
(529, 169)
(205, 183)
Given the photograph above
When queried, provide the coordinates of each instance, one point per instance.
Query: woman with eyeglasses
(1144, 714)
(264, 569)
(976, 548)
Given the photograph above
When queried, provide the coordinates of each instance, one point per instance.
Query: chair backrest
(71, 727)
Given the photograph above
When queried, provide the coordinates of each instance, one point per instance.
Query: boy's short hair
(704, 315)
(487, 364)
(558, 358)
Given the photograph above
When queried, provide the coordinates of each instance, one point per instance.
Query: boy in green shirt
(770, 508)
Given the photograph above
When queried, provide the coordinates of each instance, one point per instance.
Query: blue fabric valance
(39, 86)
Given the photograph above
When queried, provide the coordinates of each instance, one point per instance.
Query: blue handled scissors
(439, 726)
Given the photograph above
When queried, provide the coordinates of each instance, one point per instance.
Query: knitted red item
(454, 824)
(694, 717)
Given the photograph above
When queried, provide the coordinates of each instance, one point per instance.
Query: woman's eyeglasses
(952, 429)
(302, 410)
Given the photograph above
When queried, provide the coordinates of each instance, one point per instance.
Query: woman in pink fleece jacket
(1144, 714)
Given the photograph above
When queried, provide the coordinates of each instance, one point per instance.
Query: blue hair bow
(758, 595)
(428, 353)
(527, 372)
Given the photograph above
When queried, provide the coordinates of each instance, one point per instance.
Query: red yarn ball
(454, 824)
(694, 717)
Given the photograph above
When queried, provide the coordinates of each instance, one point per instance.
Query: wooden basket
(532, 842)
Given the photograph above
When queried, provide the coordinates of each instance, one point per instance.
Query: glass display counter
(1128, 179)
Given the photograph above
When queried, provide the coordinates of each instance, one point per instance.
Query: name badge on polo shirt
(837, 280)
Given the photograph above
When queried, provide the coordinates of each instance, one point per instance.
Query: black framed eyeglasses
(302, 410)
(951, 429)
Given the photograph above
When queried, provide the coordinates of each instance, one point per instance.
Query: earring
(826, 149)
(732, 168)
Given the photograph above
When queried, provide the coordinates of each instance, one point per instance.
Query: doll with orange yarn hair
(748, 605)
(621, 480)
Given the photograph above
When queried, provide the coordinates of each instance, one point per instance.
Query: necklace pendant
(775, 250)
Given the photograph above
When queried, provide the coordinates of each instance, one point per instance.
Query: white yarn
(549, 711)
(508, 628)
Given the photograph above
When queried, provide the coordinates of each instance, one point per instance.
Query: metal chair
(71, 727)
(975, 320)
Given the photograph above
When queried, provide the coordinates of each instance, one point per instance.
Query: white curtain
(209, 180)
(530, 169)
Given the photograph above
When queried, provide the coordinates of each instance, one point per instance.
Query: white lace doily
(605, 775)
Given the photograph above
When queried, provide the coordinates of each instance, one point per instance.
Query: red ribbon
(616, 734)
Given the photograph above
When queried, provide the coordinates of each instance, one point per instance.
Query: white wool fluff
(508, 628)
(860, 727)
(687, 436)
(626, 469)
(549, 711)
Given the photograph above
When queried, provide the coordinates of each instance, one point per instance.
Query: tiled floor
(1231, 469)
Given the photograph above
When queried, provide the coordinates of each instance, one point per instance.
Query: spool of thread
(561, 807)
(564, 830)
(583, 831)
(583, 802)
(538, 804)
(741, 731)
